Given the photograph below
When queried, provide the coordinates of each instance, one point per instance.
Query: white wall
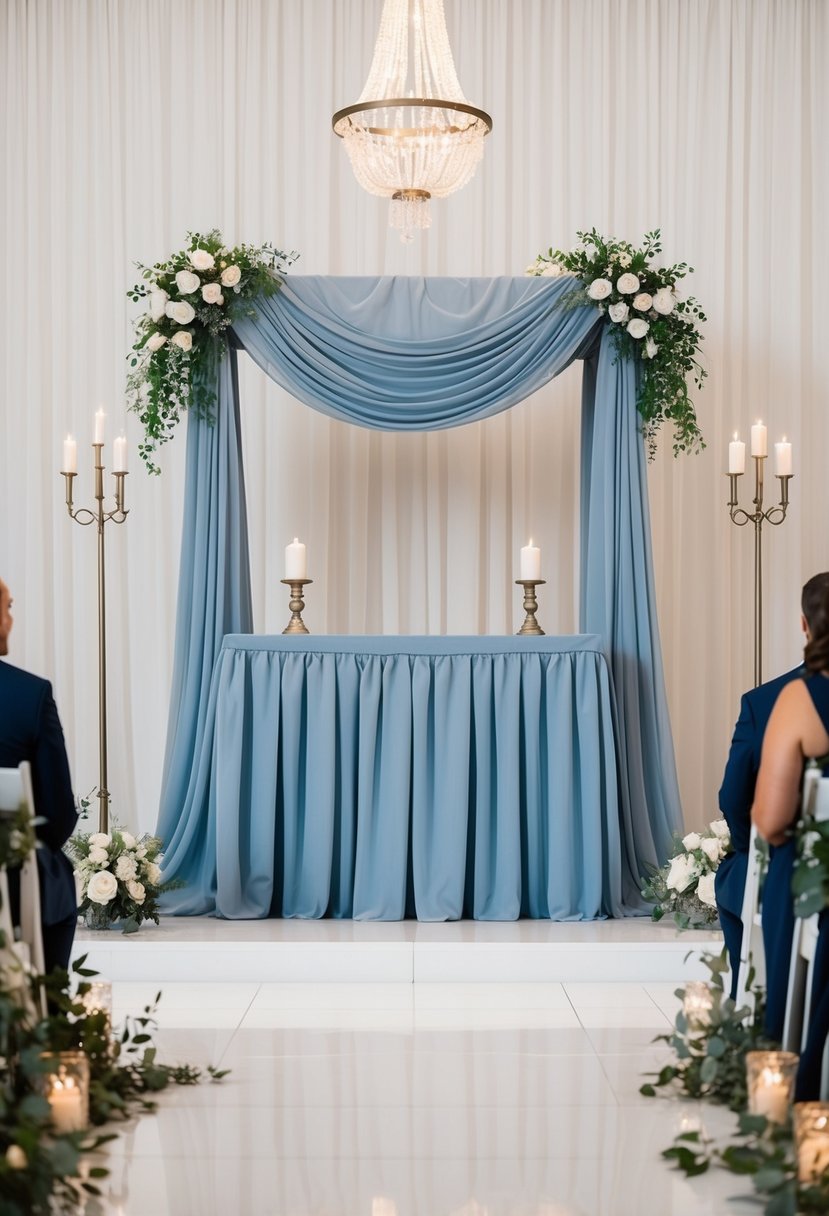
(126, 123)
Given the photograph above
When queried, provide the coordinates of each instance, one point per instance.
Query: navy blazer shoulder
(740, 778)
(30, 730)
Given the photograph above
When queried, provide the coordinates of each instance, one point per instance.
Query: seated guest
(737, 792)
(798, 728)
(30, 730)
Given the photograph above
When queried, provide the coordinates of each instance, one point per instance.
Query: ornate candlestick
(774, 516)
(100, 517)
(531, 625)
(296, 604)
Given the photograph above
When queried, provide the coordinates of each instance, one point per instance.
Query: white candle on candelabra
(759, 439)
(66, 1105)
(783, 459)
(70, 455)
(100, 422)
(531, 562)
(119, 455)
(736, 455)
(295, 566)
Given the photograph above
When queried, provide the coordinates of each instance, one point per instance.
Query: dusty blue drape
(422, 354)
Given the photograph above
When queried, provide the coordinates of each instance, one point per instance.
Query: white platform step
(328, 951)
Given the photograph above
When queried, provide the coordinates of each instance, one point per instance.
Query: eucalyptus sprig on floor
(710, 1057)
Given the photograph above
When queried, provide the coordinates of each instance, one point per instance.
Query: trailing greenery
(650, 322)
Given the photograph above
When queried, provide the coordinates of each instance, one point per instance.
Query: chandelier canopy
(412, 135)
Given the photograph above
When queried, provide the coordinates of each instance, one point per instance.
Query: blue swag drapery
(424, 354)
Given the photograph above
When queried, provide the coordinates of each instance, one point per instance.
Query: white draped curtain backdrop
(127, 122)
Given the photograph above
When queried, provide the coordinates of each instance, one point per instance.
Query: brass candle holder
(100, 518)
(296, 604)
(531, 626)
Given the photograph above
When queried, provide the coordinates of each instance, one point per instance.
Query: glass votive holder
(697, 1004)
(770, 1077)
(811, 1138)
(66, 1088)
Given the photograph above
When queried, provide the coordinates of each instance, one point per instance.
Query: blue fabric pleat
(419, 354)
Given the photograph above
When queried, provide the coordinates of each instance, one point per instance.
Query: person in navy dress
(30, 730)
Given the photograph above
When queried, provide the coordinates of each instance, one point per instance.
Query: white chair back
(804, 942)
(16, 790)
(751, 947)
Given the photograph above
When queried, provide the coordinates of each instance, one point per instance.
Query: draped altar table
(379, 777)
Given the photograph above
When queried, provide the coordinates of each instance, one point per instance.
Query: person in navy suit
(30, 730)
(735, 800)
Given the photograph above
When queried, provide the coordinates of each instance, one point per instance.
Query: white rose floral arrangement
(118, 878)
(651, 322)
(684, 887)
(192, 298)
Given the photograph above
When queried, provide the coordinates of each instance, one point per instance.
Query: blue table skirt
(384, 777)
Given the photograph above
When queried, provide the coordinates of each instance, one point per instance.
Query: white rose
(98, 857)
(650, 348)
(600, 289)
(683, 870)
(637, 328)
(642, 302)
(156, 341)
(664, 301)
(627, 284)
(158, 302)
(711, 848)
(720, 828)
(102, 888)
(231, 276)
(618, 312)
(141, 852)
(101, 839)
(705, 890)
(136, 890)
(125, 867)
(183, 338)
(181, 312)
(153, 873)
(692, 841)
(552, 270)
(202, 260)
(128, 839)
(187, 283)
(16, 1158)
(211, 293)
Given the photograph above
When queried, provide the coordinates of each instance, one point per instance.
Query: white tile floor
(439, 1099)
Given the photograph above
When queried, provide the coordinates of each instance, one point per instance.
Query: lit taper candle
(100, 423)
(736, 455)
(119, 454)
(70, 455)
(783, 459)
(759, 439)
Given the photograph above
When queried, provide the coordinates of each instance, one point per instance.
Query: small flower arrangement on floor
(119, 878)
(193, 298)
(650, 322)
(684, 887)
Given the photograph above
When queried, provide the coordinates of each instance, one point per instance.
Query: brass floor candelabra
(100, 518)
(774, 516)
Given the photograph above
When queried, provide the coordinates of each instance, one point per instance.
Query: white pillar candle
(70, 455)
(119, 455)
(783, 459)
(759, 439)
(100, 421)
(295, 560)
(66, 1106)
(531, 562)
(736, 455)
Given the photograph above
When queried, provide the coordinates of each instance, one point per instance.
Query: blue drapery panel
(419, 354)
(443, 777)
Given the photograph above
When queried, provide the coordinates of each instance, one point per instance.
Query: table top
(436, 644)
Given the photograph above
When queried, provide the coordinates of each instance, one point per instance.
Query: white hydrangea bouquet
(118, 878)
(684, 887)
(192, 298)
(650, 322)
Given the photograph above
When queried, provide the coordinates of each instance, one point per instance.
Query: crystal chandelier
(412, 135)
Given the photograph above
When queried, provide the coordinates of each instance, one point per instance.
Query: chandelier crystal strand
(412, 135)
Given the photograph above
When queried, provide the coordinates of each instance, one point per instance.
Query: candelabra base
(296, 604)
(531, 627)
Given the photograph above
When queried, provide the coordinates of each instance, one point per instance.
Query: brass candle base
(296, 604)
(531, 625)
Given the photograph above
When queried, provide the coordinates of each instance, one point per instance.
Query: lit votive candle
(295, 566)
(531, 563)
(736, 455)
(783, 459)
(759, 440)
(67, 1091)
(697, 1004)
(70, 455)
(770, 1078)
(811, 1134)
